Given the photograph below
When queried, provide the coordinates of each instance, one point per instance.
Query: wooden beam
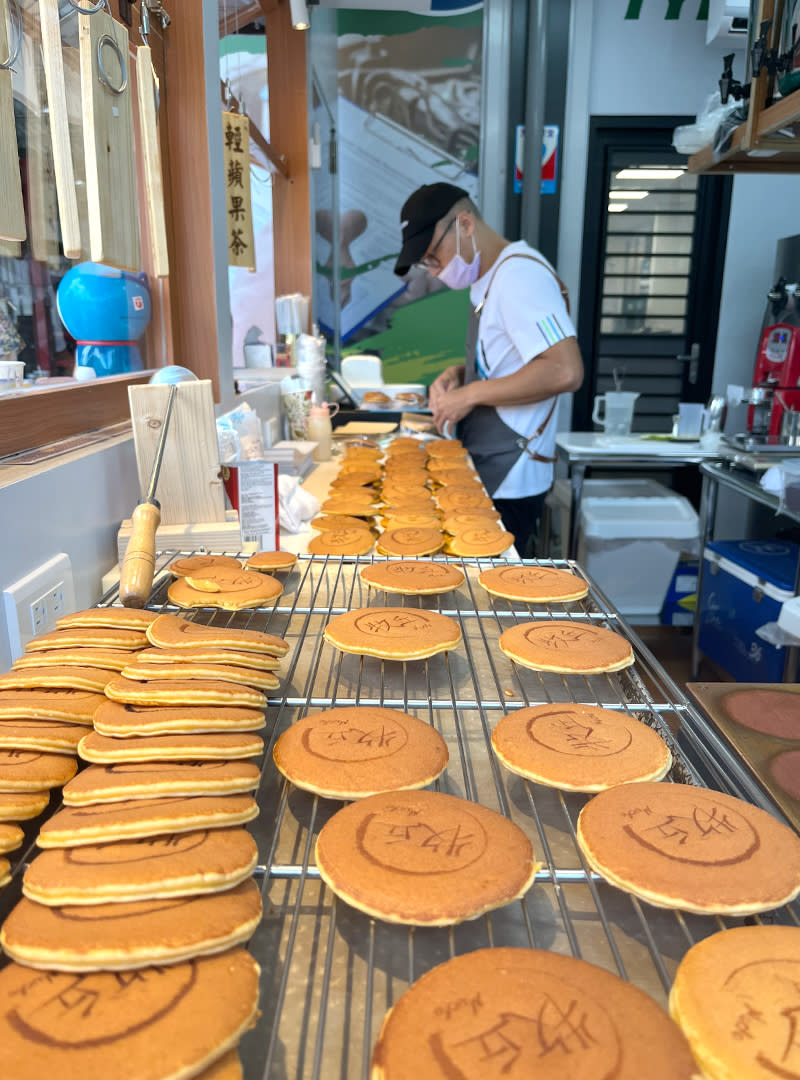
(243, 16)
(291, 202)
(278, 161)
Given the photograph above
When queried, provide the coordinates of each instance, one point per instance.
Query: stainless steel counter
(329, 973)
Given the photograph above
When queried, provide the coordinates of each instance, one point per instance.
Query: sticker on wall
(549, 179)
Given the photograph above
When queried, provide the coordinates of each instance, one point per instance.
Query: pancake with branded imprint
(735, 997)
(145, 780)
(533, 584)
(163, 1022)
(230, 590)
(393, 633)
(354, 751)
(566, 646)
(173, 632)
(527, 1013)
(268, 561)
(124, 721)
(195, 564)
(324, 522)
(341, 542)
(479, 541)
(77, 826)
(412, 577)
(188, 864)
(406, 542)
(22, 805)
(679, 846)
(579, 747)
(110, 617)
(183, 692)
(118, 937)
(423, 858)
(33, 770)
(103, 750)
(202, 669)
(49, 703)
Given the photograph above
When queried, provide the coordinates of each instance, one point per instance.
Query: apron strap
(533, 258)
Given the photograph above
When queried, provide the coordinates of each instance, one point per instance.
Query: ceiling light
(299, 14)
(635, 173)
(622, 194)
(617, 207)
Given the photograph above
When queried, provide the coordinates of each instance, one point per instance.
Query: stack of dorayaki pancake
(419, 498)
(220, 581)
(143, 894)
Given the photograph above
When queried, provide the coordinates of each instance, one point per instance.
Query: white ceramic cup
(617, 411)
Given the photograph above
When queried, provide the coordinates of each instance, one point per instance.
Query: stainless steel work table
(581, 450)
(330, 973)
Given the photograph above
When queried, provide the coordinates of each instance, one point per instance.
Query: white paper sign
(258, 503)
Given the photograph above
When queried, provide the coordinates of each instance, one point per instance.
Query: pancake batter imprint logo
(410, 840)
(358, 737)
(702, 832)
(557, 638)
(577, 734)
(393, 622)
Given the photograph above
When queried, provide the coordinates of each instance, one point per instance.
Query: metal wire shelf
(330, 973)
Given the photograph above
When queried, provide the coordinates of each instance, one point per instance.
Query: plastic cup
(617, 406)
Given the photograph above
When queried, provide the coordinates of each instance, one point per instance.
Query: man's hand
(449, 379)
(452, 406)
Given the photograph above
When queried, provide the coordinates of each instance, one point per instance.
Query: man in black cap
(521, 350)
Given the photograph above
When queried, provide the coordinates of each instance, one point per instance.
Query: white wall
(74, 506)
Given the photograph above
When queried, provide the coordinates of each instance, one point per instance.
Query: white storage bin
(630, 542)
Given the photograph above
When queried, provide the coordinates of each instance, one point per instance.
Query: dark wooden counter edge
(33, 417)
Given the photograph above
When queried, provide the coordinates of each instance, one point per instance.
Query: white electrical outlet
(32, 604)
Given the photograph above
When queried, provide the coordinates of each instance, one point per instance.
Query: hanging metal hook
(14, 51)
(144, 24)
(87, 10)
(102, 74)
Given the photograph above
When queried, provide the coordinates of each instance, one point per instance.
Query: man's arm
(558, 370)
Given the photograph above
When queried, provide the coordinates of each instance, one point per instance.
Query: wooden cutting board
(189, 488)
(151, 153)
(108, 146)
(59, 128)
(12, 211)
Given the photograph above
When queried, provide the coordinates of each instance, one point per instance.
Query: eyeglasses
(429, 260)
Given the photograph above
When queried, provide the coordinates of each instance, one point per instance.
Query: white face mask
(458, 274)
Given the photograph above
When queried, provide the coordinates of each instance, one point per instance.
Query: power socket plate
(32, 605)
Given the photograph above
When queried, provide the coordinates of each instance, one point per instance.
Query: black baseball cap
(418, 218)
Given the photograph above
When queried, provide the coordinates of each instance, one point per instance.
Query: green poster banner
(674, 9)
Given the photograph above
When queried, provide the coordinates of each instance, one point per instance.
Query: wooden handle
(139, 563)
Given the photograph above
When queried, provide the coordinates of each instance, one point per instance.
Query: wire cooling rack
(330, 973)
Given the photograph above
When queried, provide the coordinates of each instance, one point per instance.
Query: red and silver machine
(776, 376)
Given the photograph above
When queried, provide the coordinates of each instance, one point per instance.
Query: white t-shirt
(524, 315)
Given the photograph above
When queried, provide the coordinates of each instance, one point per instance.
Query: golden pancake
(579, 747)
(104, 750)
(453, 523)
(113, 618)
(160, 657)
(11, 837)
(5, 872)
(160, 1022)
(337, 521)
(735, 996)
(351, 752)
(527, 1013)
(262, 680)
(355, 478)
(271, 560)
(97, 637)
(195, 564)
(437, 465)
(393, 633)
(131, 780)
(23, 805)
(405, 476)
(118, 937)
(412, 577)
(32, 770)
(475, 541)
(350, 507)
(533, 584)
(77, 826)
(64, 677)
(414, 519)
(460, 498)
(124, 721)
(189, 864)
(223, 589)
(569, 646)
(409, 504)
(111, 659)
(376, 397)
(228, 1067)
(446, 448)
(410, 541)
(74, 706)
(341, 542)
(424, 858)
(173, 632)
(679, 846)
(52, 736)
(183, 692)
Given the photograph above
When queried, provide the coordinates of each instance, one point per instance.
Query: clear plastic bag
(711, 128)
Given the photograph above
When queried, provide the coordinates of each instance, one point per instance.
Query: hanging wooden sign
(238, 205)
(108, 144)
(59, 129)
(12, 211)
(41, 184)
(151, 152)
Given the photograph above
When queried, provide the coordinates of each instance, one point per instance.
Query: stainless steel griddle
(329, 973)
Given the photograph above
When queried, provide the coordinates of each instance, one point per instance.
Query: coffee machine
(776, 375)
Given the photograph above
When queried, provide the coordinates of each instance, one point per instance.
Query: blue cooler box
(745, 582)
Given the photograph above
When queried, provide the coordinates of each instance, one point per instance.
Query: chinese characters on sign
(238, 210)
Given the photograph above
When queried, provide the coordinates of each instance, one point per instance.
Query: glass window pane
(634, 325)
(668, 245)
(646, 264)
(628, 221)
(653, 201)
(644, 305)
(672, 286)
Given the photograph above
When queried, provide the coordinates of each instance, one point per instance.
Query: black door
(651, 275)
